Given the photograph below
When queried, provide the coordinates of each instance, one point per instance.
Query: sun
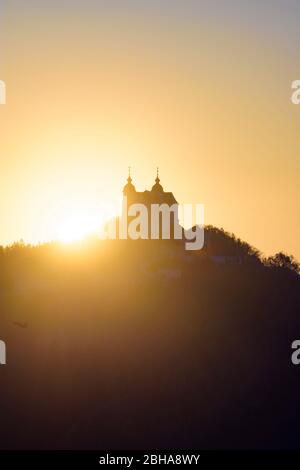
(75, 220)
(78, 226)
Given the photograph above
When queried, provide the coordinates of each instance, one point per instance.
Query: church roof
(157, 195)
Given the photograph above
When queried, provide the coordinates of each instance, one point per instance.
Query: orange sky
(88, 95)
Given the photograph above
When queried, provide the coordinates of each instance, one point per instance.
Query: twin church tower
(157, 196)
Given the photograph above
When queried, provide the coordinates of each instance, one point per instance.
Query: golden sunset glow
(204, 104)
(75, 222)
(77, 227)
(149, 237)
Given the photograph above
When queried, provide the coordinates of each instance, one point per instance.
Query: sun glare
(77, 227)
(76, 220)
(79, 223)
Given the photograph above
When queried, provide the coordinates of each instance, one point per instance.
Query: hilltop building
(156, 196)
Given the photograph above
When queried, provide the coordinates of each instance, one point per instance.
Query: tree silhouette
(283, 261)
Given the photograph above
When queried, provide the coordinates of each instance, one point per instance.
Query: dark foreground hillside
(138, 345)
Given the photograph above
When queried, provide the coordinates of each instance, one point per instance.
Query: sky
(201, 89)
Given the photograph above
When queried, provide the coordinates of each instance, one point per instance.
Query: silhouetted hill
(122, 344)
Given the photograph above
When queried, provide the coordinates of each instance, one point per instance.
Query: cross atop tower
(157, 175)
(129, 179)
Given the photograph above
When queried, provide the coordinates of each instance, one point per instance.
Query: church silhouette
(148, 199)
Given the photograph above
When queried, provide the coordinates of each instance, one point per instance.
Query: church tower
(157, 196)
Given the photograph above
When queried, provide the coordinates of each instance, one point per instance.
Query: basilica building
(156, 196)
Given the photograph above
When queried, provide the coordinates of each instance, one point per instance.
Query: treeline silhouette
(141, 344)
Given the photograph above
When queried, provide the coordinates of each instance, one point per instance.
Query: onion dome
(157, 187)
(129, 187)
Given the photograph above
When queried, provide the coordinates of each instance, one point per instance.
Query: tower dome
(129, 187)
(157, 186)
